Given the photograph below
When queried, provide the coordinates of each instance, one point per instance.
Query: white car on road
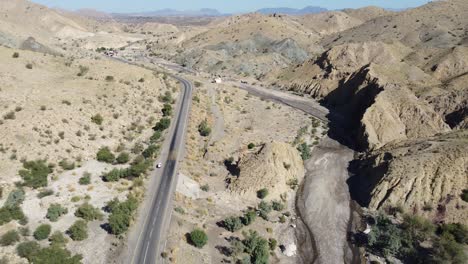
(159, 165)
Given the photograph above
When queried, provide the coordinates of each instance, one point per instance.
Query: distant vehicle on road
(159, 165)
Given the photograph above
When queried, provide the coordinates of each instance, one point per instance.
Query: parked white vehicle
(159, 165)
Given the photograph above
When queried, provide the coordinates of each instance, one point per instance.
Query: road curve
(151, 236)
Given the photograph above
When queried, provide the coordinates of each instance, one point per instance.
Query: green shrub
(97, 119)
(272, 243)
(55, 211)
(251, 146)
(88, 212)
(44, 193)
(55, 255)
(198, 238)
(198, 84)
(9, 213)
(264, 209)
(257, 247)
(232, 223)
(83, 70)
(150, 151)
(35, 173)
(162, 125)
(304, 149)
(78, 231)
(121, 215)
(205, 188)
(114, 175)
(10, 116)
(464, 195)
(66, 165)
(42, 232)
(179, 210)
(249, 218)
(204, 129)
(458, 231)
(28, 250)
(58, 239)
(123, 158)
(293, 183)
(29, 66)
(262, 193)
(9, 238)
(86, 179)
(109, 78)
(167, 110)
(105, 155)
(277, 206)
(15, 198)
(166, 98)
(15, 55)
(155, 137)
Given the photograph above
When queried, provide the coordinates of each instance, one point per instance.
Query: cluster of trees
(121, 214)
(55, 253)
(405, 240)
(34, 173)
(252, 249)
(138, 167)
(234, 223)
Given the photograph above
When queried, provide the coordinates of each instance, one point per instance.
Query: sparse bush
(167, 110)
(35, 173)
(10, 116)
(155, 137)
(15, 55)
(97, 119)
(179, 210)
(121, 215)
(293, 183)
(304, 149)
(141, 80)
(162, 125)
(232, 223)
(123, 158)
(43, 108)
(42, 232)
(150, 151)
(105, 155)
(262, 193)
(277, 206)
(9, 238)
(166, 98)
(15, 198)
(29, 66)
(9, 213)
(28, 250)
(109, 78)
(58, 239)
(251, 146)
(88, 212)
(205, 188)
(86, 179)
(83, 70)
(204, 129)
(464, 195)
(78, 231)
(249, 218)
(55, 211)
(44, 193)
(198, 238)
(66, 165)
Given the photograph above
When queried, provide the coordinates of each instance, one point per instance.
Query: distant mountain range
(292, 11)
(172, 12)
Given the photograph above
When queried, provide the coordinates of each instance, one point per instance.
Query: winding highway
(154, 217)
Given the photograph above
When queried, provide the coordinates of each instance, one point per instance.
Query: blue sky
(221, 5)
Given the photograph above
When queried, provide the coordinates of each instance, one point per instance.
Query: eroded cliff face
(424, 176)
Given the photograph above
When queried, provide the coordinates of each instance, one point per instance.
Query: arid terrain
(332, 137)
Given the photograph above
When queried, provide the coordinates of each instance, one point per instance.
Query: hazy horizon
(126, 6)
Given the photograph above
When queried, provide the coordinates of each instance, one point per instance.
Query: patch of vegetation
(198, 84)
(10, 116)
(15, 55)
(97, 119)
(109, 78)
(304, 149)
(58, 239)
(45, 193)
(155, 137)
(166, 98)
(55, 255)
(83, 71)
(28, 250)
(262, 193)
(66, 165)
(179, 210)
(42, 232)
(86, 179)
(55, 211)
(251, 146)
(205, 188)
(162, 125)
(204, 129)
(35, 173)
(166, 110)
(264, 209)
(9, 238)
(105, 155)
(256, 248)
(29, 66)
(123, 158)
(198, 238)
(277, 206)
(232, 223)
(10, 213)
(150, 151)
(249, 218)
(78, 231)
(121, 214)
(15, 198)
(464, 195)
(293, 183)
(88, 212)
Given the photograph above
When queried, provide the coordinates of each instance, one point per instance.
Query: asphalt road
(150, 237)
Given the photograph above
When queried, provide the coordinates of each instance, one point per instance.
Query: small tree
(105, 155)
(9, 238)
(55, 211)
(198, 238)
(42, 232)
(162, 125)
(262, 193)
(88, 212)
(78, 231)
(232, 223)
